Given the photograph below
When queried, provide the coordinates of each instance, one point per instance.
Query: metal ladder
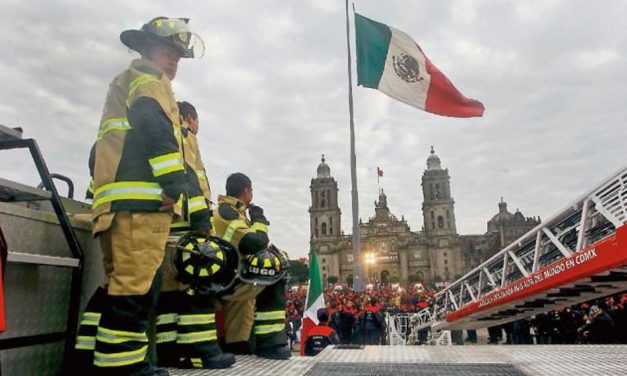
(14, 192)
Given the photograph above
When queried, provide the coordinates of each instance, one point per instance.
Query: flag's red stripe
(444, 99)
(306, 327)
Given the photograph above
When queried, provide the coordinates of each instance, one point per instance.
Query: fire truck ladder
(577, 255)
(12, 192)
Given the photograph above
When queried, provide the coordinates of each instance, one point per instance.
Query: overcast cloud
(272, 96)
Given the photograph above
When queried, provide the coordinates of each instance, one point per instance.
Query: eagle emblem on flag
(407, 68)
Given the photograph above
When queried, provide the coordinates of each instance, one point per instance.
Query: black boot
(218, 361)
(276, 352)
(238, 348)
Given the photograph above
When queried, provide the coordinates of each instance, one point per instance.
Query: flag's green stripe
(315, 282)
(372, 40)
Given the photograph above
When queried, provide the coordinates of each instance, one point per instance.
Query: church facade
(388, 245)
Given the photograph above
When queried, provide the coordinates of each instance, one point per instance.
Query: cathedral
(388, 245)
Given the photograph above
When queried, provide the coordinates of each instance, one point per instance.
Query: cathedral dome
(503, 215)
(324, 171)
(433, 162)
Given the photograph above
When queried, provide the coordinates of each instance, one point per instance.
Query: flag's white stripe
(312, 311)
(412, 93)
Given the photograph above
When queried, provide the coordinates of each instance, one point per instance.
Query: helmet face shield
(176, 32)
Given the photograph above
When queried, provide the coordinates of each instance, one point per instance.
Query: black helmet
(265, 267)
(205, 262)
(171, 31)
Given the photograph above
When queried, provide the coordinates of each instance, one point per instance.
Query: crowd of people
(602, 321)
(358, 318)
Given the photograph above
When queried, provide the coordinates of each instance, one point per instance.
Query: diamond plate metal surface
(526, 360)
(43, 360)
(36, 299)
(412, 369)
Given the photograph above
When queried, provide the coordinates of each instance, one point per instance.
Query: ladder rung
(15, 192)
(30, 258)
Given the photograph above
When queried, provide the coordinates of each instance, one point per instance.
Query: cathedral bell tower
(438, 207)
(324, 212)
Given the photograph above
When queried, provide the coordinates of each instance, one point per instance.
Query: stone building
(390, 247)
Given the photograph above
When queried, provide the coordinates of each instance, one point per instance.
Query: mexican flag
(315, 300)
(390, 61)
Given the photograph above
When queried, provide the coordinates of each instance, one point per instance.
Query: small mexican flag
(390, 61)
(315, 299)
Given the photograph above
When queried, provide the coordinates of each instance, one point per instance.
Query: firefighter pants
(262, 306)
(185, 324)
(133, 248)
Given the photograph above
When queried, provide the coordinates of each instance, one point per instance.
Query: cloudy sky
(272, 96)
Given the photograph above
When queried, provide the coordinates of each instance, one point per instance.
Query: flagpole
(357, 277)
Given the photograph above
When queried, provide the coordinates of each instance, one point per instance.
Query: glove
(256, 214)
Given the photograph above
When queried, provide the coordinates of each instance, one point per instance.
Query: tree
(332, 279)
(299, 272)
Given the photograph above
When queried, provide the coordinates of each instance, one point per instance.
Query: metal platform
(449, 360)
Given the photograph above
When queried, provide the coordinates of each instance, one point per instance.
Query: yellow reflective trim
(85, 343)
(201, 174)
(196, 204)
(197, 319)
(165, 337)
(203, 272)
(113, 124)
(166, 163)
(137, 82)
(271, 315)
(267, 263)
(189, 269)
(204, 336)
(127, 190)
(215, 268)
(91, 318)
(123, 358)
(168, 318)
(179, 224)
(220, 255)
(277, 262)
(267, 329)
(90, 322)
(261, 227)
(255, 261)
(165, 157)
(90, 187)
(119, 336)
(196, 362)
(230, 231)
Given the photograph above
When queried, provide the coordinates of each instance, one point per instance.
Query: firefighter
(321, 335)
(260, 297)
(185, 324)
(372, 324)
(139, 175)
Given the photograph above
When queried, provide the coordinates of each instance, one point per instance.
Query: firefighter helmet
(171, 31)
(265, 267)
(205, 262)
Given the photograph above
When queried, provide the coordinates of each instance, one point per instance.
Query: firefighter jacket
(231, 223)
(194, 160)
(199, 194)
(138, 152)
(318, 338)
